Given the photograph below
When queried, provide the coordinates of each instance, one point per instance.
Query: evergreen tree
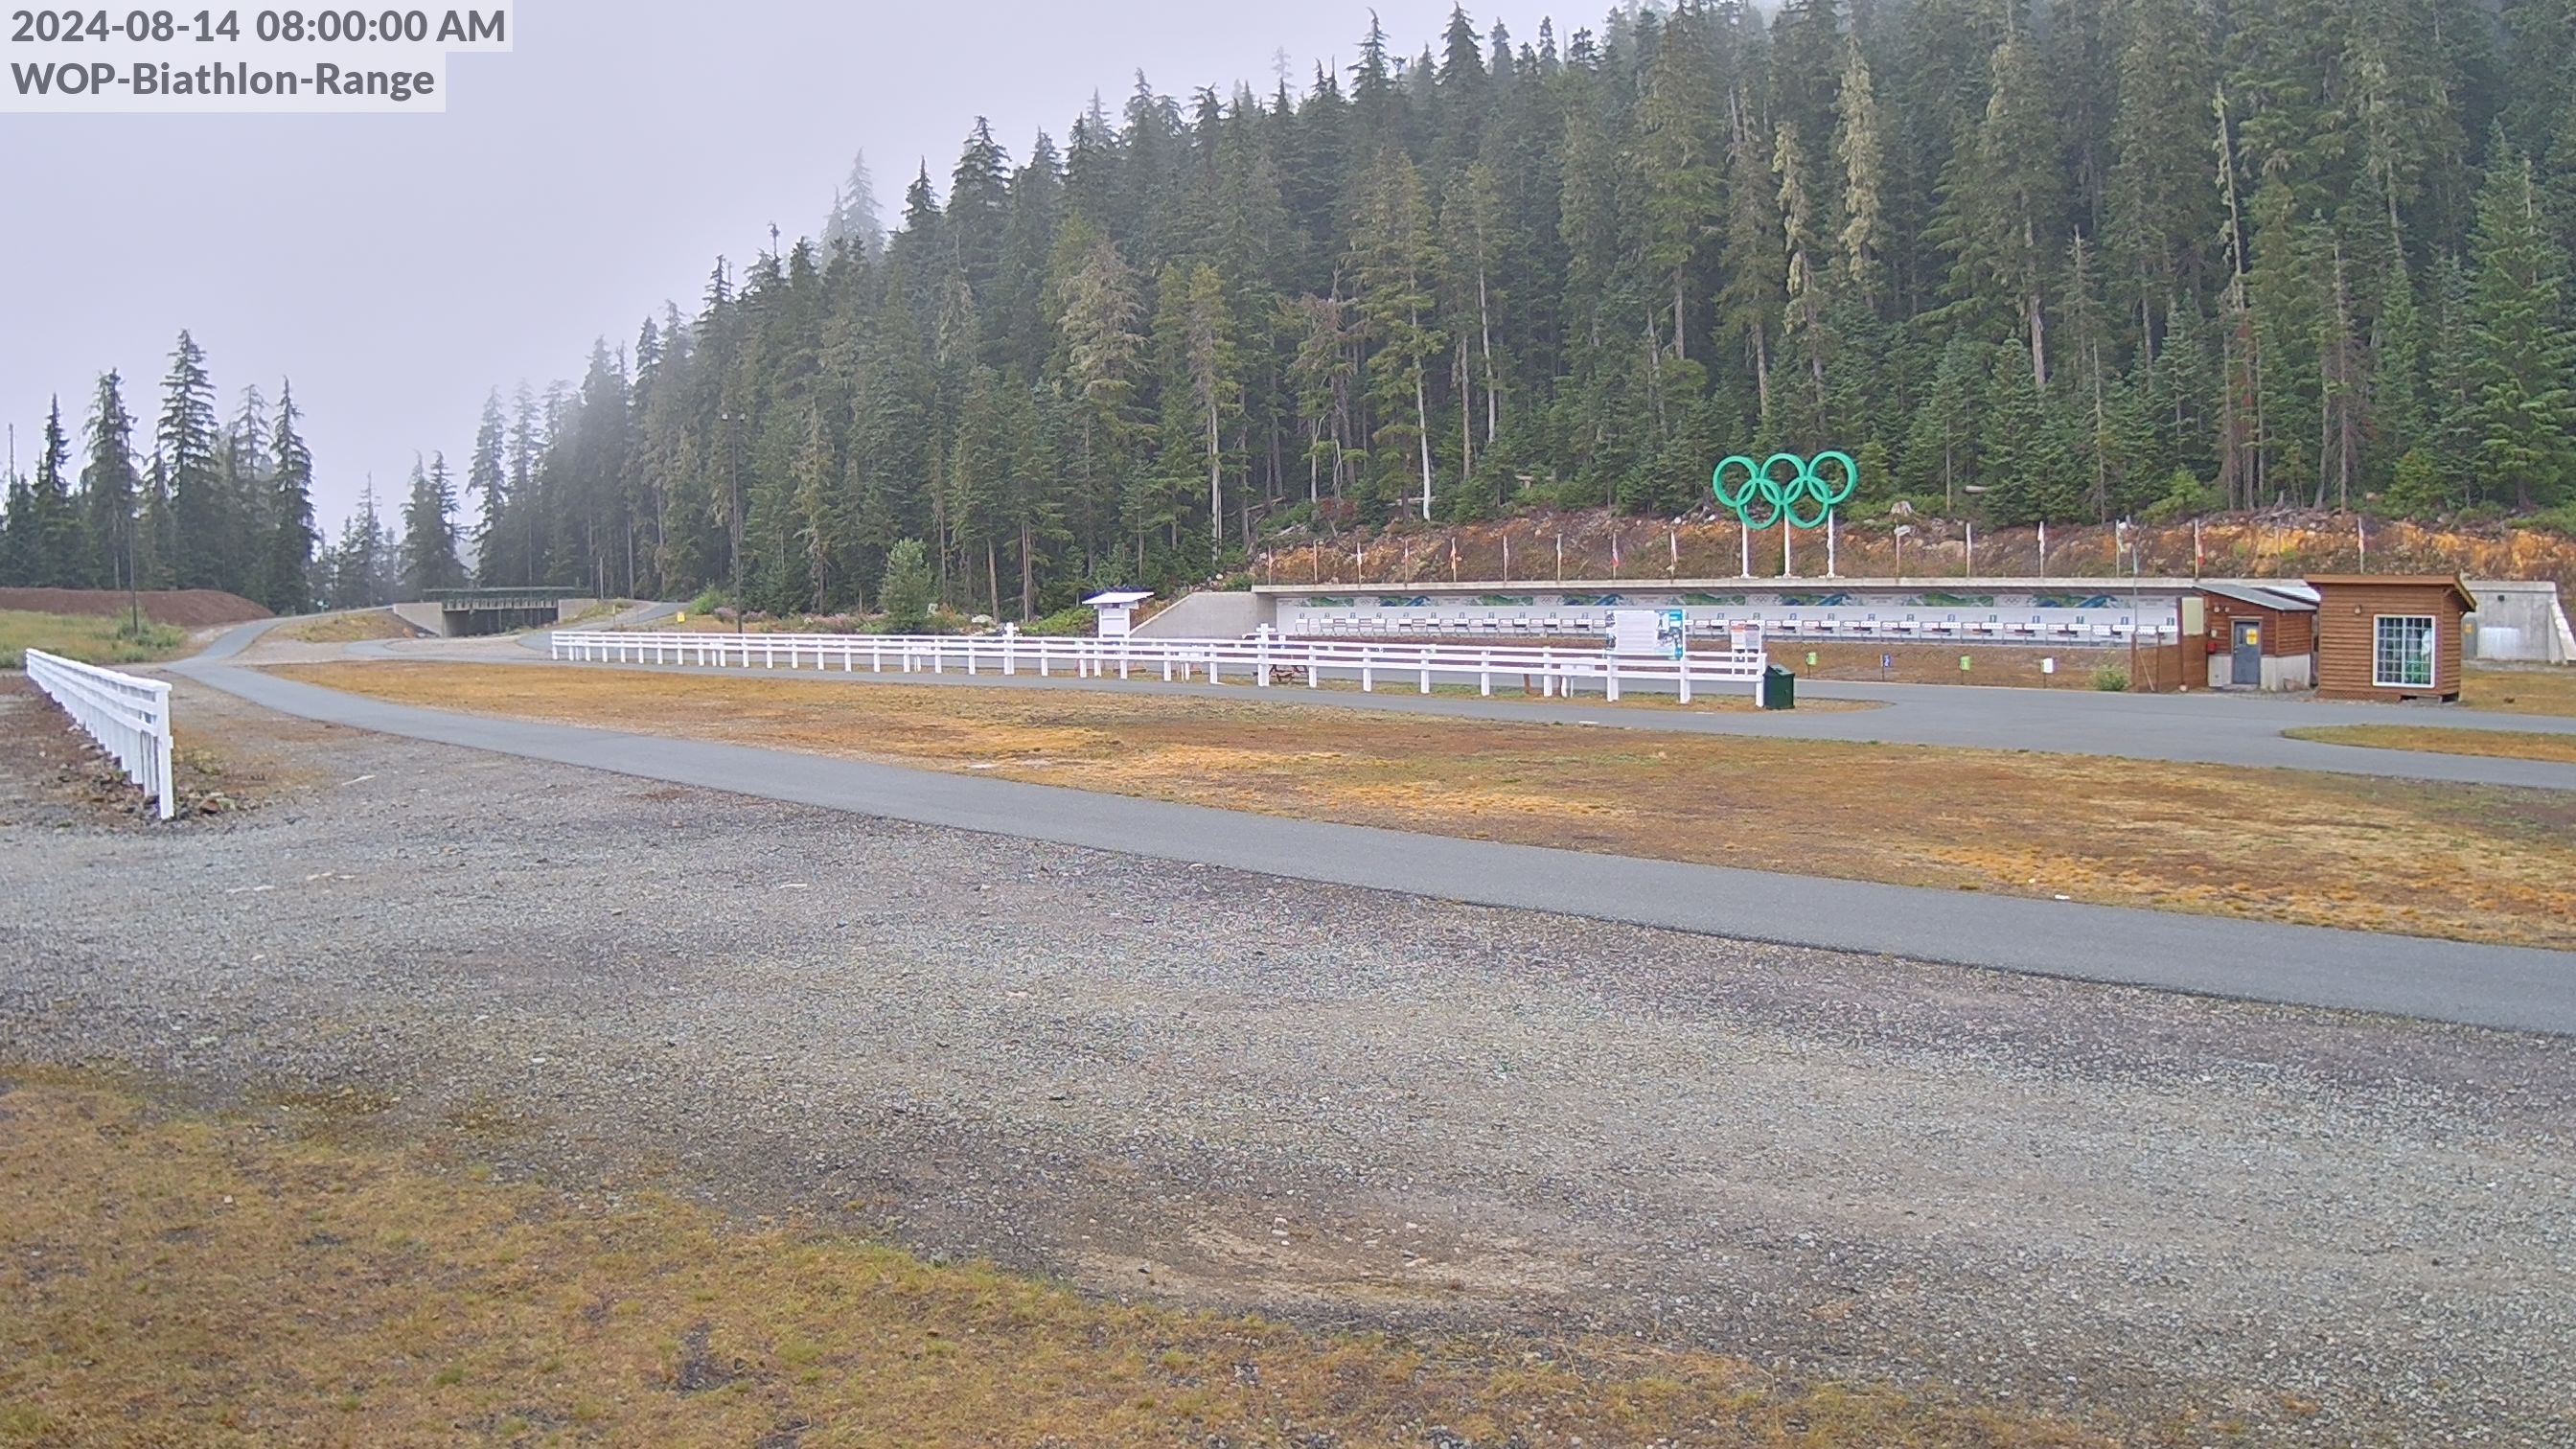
(1860, 145)
(2233, 244)
(156, 529)
(1393, 258)
(19, 561)
(1678, 150)
(2525, 350)
(2397, 374)
(1209, 370)
(109, 491)
(287, 561)
(248, 484)
(189, 474)
(429, 532)
(854, 221)
(486, 478)
(362, 563)
(904, 592)
(58, 550)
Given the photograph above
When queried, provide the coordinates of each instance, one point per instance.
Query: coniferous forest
(2072, 261)
(196, 500)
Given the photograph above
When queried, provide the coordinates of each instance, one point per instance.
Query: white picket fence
(1262, 660)
(129, 717)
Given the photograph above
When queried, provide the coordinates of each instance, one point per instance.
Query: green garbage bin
(1779, 688)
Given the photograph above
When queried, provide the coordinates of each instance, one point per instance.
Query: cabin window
(2404, 656)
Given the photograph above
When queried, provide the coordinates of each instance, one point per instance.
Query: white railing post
(1265, 653)
(128, 717)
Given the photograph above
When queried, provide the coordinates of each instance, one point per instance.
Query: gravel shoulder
(1348, 1107)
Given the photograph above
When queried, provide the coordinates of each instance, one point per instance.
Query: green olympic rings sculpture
(1764, 500)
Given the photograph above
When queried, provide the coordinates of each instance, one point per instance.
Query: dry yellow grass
(2520, 691)
(2428, 739)
(244, 1280)
(348, 628)
(2466, 862)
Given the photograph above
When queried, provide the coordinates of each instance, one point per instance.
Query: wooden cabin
(2391, 638)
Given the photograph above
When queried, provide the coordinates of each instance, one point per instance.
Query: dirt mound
(1598, 546)
(178, 608)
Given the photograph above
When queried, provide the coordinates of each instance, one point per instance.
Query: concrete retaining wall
(2520, 621)
(1209, 616)
(428, 618)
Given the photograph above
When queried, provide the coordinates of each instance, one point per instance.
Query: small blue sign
(1887, 661)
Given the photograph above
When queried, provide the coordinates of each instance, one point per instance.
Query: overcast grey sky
(398, 267)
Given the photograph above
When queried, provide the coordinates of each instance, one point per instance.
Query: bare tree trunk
(1655, 376)
(1493, 391)
(1422, 419)
(1762, 369)
(2242, 463)
(2038, 340)
(2348, 411)
(1466, 415)
(1681, 326)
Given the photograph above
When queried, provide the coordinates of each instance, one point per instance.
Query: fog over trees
(2066, 262)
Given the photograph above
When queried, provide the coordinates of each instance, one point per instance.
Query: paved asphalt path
(2438, 980)
(2204, 728)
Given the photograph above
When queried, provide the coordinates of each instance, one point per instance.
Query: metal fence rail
(1263, 660)
(129, 717)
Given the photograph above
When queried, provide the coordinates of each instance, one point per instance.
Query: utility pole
(2136, 614)
(733, 455)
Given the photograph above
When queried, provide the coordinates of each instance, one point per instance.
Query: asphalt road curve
(2495, 986)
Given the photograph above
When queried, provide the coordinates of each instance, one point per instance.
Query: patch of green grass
(87, 639)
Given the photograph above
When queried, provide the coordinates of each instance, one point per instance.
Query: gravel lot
(1348, 1108)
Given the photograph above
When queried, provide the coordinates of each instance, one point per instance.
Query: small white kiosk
(1118, 610)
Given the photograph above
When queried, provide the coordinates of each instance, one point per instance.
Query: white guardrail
(1264, 660)
(129, 717)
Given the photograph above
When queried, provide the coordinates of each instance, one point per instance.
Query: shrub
(904, 595)
(2111, 680)
(2418, 489)
(2185, 497)
(1074, 623)
(2560, 520)
(143, 645)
